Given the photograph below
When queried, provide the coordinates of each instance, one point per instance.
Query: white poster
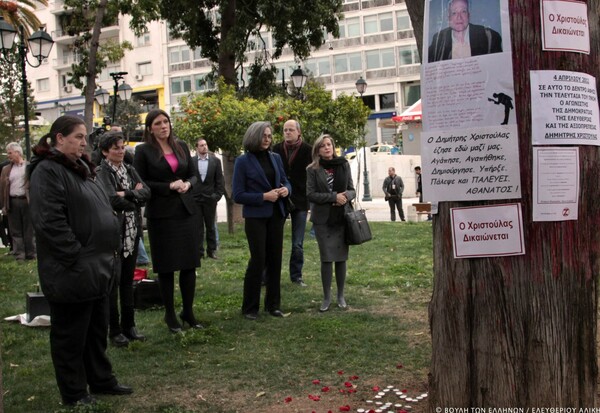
(471, 164)
(565, 26)
(487, 231)
(564, 108)
(555, 184)
(467, 77)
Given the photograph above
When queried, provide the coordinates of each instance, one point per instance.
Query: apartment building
(376, 42)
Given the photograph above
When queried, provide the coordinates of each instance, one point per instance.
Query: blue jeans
(142, 257)
(297, 257)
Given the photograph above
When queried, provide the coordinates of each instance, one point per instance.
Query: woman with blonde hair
(329, 188)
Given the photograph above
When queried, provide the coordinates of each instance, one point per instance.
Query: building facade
(376, 42)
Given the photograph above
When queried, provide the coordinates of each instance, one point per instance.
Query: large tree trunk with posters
(521, 331)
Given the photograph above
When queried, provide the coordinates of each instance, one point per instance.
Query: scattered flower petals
(342, 391)
(341, 372)
(316, 381)
(370, 411)
(314, 397)
(288, 399)
(348, 384)
(351, 390)
(325, 389)
(376, 388)
(404, 391)
(354, 378)
(399, 366)
(345, 408)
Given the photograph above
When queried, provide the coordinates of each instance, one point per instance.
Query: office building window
(179, 54)
(143, 40)
(412, 93)
(350, 28)
(378, 23)
(181, 85)
(403, 21)
(43, 85)
(378, 59)
(408, 55)
(387, 101)
(350, 62)
(202, 83)
(144, 68)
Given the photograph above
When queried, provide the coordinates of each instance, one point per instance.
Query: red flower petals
(341, 372)
(354, 378)
(351, 390)
(288, 399)
(376, 388)
(348, 384)
(399, 366)
(345, 408)
(325, 389)
(316, 381)
(314, 397)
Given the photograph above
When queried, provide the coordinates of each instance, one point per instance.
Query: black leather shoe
(133, 334)
(191, 321)
(86, 400)
(116, 390)
(251, 316)
(119, 340)
(276, 313)
(213, 255)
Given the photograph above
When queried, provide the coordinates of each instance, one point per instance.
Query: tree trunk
(416, 11)
(227, 46)
(90, 86)
(521, 331)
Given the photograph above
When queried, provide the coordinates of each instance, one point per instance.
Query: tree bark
(521, 331)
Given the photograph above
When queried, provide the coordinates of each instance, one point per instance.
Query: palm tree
(22, 13)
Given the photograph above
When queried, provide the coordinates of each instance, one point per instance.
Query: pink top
(172, 160)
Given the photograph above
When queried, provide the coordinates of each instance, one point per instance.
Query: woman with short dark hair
(78, 241)
(260, 184)
(127, 194)
(165, 165)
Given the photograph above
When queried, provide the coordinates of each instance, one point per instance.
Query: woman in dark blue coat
(165, 165)
(260, 184)
(78, 242)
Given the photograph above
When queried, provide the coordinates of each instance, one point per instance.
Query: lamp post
(361, 87)
(40, 44)
(299, 79)
(123, 91)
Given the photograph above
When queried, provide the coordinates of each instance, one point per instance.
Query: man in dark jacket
(207, 193)
(296, 156)
(393, 188)
(461, 39)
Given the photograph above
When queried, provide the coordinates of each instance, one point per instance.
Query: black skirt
(174, 243)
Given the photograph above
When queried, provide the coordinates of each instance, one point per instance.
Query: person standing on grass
(165, 165)
(127, 194)
(261, 186)
(78, 242)
(393, 187)
(15, 205)
(207, 193)
(329, 188)
(296, 156)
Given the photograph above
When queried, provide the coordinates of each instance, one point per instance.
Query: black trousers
(207, 212)
(78, 339)
(265, 240)
(396, 203)
(21, 228)
(122, 293)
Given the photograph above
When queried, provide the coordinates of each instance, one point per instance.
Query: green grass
(235, 365)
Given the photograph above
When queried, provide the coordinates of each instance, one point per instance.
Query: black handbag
(358, 230)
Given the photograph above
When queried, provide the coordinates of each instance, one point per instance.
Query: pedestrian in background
(393, 187)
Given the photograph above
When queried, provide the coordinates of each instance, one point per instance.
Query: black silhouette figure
(505, 100)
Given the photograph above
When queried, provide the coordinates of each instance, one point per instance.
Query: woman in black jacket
(78, 242)
(165, 165)
(127, 194)
(329, 188)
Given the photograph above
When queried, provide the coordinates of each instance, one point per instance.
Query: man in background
(207, 193)
(393, 187)
(296, 155)
(15, 203)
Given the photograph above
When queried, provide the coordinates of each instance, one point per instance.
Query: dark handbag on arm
(358, 230)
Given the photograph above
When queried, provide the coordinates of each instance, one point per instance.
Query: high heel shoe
(191, 321)
(324, 306)
(173, 324)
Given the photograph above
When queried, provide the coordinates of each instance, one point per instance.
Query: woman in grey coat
(329, 188)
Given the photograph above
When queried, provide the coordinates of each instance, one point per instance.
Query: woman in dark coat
(329, 188)
(165, 165)
(127, 194)
(78, 243)
(260, 184)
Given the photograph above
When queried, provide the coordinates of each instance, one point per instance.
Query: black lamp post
(40, 44)
(361, 87)
(123, 91)
(299, 79)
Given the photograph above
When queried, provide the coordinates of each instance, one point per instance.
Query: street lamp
(123, 91)
(361, 87)
(40, 44)
(299, 79)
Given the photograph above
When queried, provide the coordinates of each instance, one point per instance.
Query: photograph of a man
(463, 39)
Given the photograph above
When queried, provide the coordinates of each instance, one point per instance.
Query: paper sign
(555, 184)
(564, 108)
(565, 26)
(487, 231)
(471, 164)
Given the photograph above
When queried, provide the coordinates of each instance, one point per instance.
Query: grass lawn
(307, 362)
